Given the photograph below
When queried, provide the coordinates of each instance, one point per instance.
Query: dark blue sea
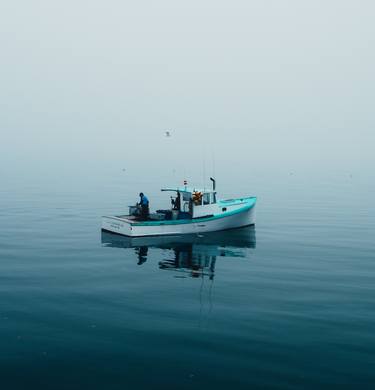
(287, 304)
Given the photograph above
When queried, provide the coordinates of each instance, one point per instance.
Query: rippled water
(287, 304)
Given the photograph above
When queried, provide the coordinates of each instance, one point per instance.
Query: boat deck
(131, 218)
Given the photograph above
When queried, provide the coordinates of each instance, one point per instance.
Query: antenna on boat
(204, 171)
(213, 162)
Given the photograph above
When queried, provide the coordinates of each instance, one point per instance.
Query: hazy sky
(273, 85)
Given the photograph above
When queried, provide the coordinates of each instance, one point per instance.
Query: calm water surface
(288, 304)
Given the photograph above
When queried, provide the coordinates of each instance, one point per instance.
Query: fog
(250, 87)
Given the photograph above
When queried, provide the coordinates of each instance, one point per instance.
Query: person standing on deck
(177, 202)
(145, 209)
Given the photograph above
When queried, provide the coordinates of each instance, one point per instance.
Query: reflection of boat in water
(195, 254)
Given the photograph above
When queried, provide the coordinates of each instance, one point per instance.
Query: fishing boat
(193, 211)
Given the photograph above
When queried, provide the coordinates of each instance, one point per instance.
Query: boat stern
(116, 225)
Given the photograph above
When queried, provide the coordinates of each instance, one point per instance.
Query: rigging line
(213, 162)
(204, 168)
(204, 173)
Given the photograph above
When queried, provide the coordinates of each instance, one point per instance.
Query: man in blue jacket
(145, 209)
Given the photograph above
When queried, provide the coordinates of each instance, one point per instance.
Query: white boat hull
(236, 219)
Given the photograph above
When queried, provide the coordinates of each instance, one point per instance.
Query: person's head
(141, 194)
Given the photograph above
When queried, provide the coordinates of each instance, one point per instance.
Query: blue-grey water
(288, 304)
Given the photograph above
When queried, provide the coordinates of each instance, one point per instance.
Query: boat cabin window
(186, 196)
(213, 197)
(206, 198)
